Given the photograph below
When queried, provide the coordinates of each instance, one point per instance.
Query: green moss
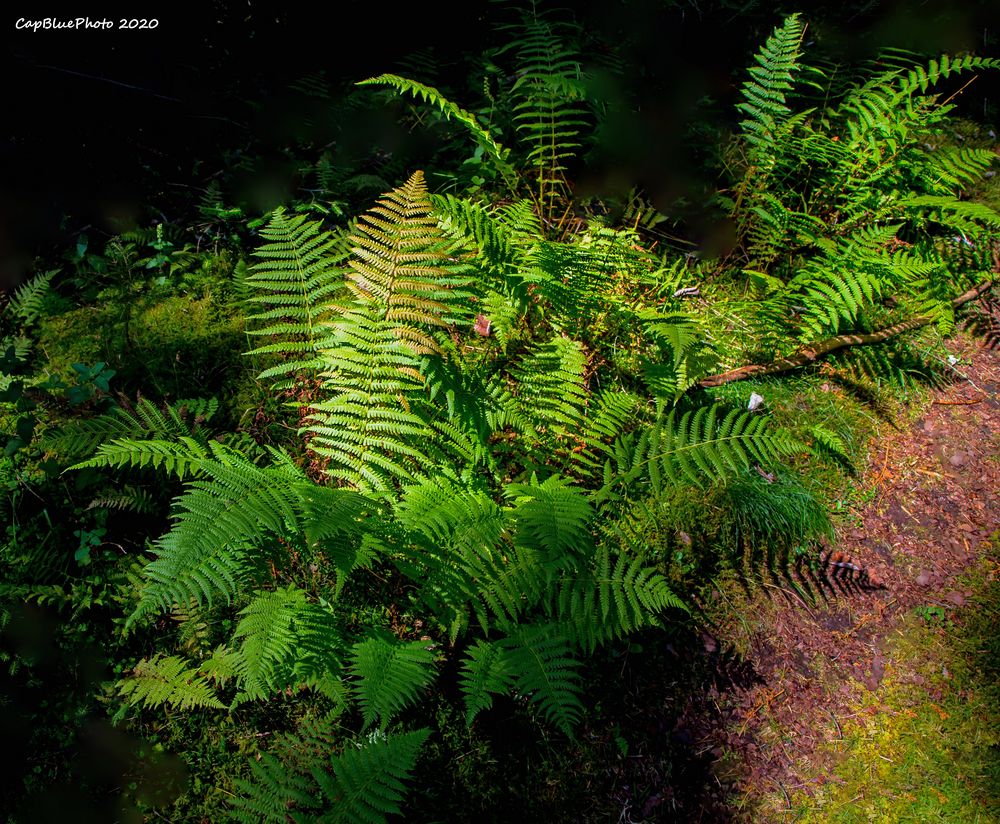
(86, 335)
(926, 745)
(172, 347)
(187, 347)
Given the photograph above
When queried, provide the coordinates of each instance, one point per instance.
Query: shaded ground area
(794, 673)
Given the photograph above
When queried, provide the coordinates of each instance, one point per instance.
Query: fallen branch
(814, 351)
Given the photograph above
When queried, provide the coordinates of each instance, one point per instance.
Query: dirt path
(934, 501)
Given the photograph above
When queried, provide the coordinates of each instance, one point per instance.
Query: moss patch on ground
(173, 347)
(926, 745)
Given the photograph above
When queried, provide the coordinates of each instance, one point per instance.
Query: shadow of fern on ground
(635, 758)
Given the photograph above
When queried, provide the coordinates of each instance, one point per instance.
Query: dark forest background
(99, 123)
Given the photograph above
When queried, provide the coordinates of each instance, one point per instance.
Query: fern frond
(185, 418)
(548, 101)
(695, 445)
(168, 680)
(130, 498)
(535, 661)
(609, 415)
(451, 111)
(282, 634)
(484, 674)
(184, 458)
(541, 666)
(829, 443)
(222, 666)
(450, 516)
(623, 594)
(283, 785)
(495, 242)
(688, 356)
(552, 516)
(233, 514)
(551, 386)
(26, 304)
(274, 794)
(956, 215)
(920, 78)
(389, 676)
(957, 167)
(369, 783)
(368, 428)
(458, 562)
(764, 93)
(293, 283)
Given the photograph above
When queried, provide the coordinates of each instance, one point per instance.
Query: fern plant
(546, 103)
(845, 213)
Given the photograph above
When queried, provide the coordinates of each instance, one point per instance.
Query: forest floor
(875, 697)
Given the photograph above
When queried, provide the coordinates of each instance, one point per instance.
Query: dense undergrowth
(417, 509)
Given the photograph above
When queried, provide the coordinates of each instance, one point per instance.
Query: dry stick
(959, 403)
(808, 354)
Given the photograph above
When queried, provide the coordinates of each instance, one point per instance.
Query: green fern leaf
(484, 674)
(370, 424)
(183, 458)
(764, 94)
(145, 420)
(548, 102)
(623, 594)
(369, 783)
(695, 445)
(27, 301)
(389, 676)
(552, 516)
(497, 153)
(293, 284)
(539, 660)
(168, 680)
(278, 631)
(275, 794)
(552, 387)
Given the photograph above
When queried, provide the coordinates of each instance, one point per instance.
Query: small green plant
(931, 613)
(91, 382)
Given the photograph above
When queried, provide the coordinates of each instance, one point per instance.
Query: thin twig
(959, 402)
(812, 352)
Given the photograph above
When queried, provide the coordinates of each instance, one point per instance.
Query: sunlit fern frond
(292, 287)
